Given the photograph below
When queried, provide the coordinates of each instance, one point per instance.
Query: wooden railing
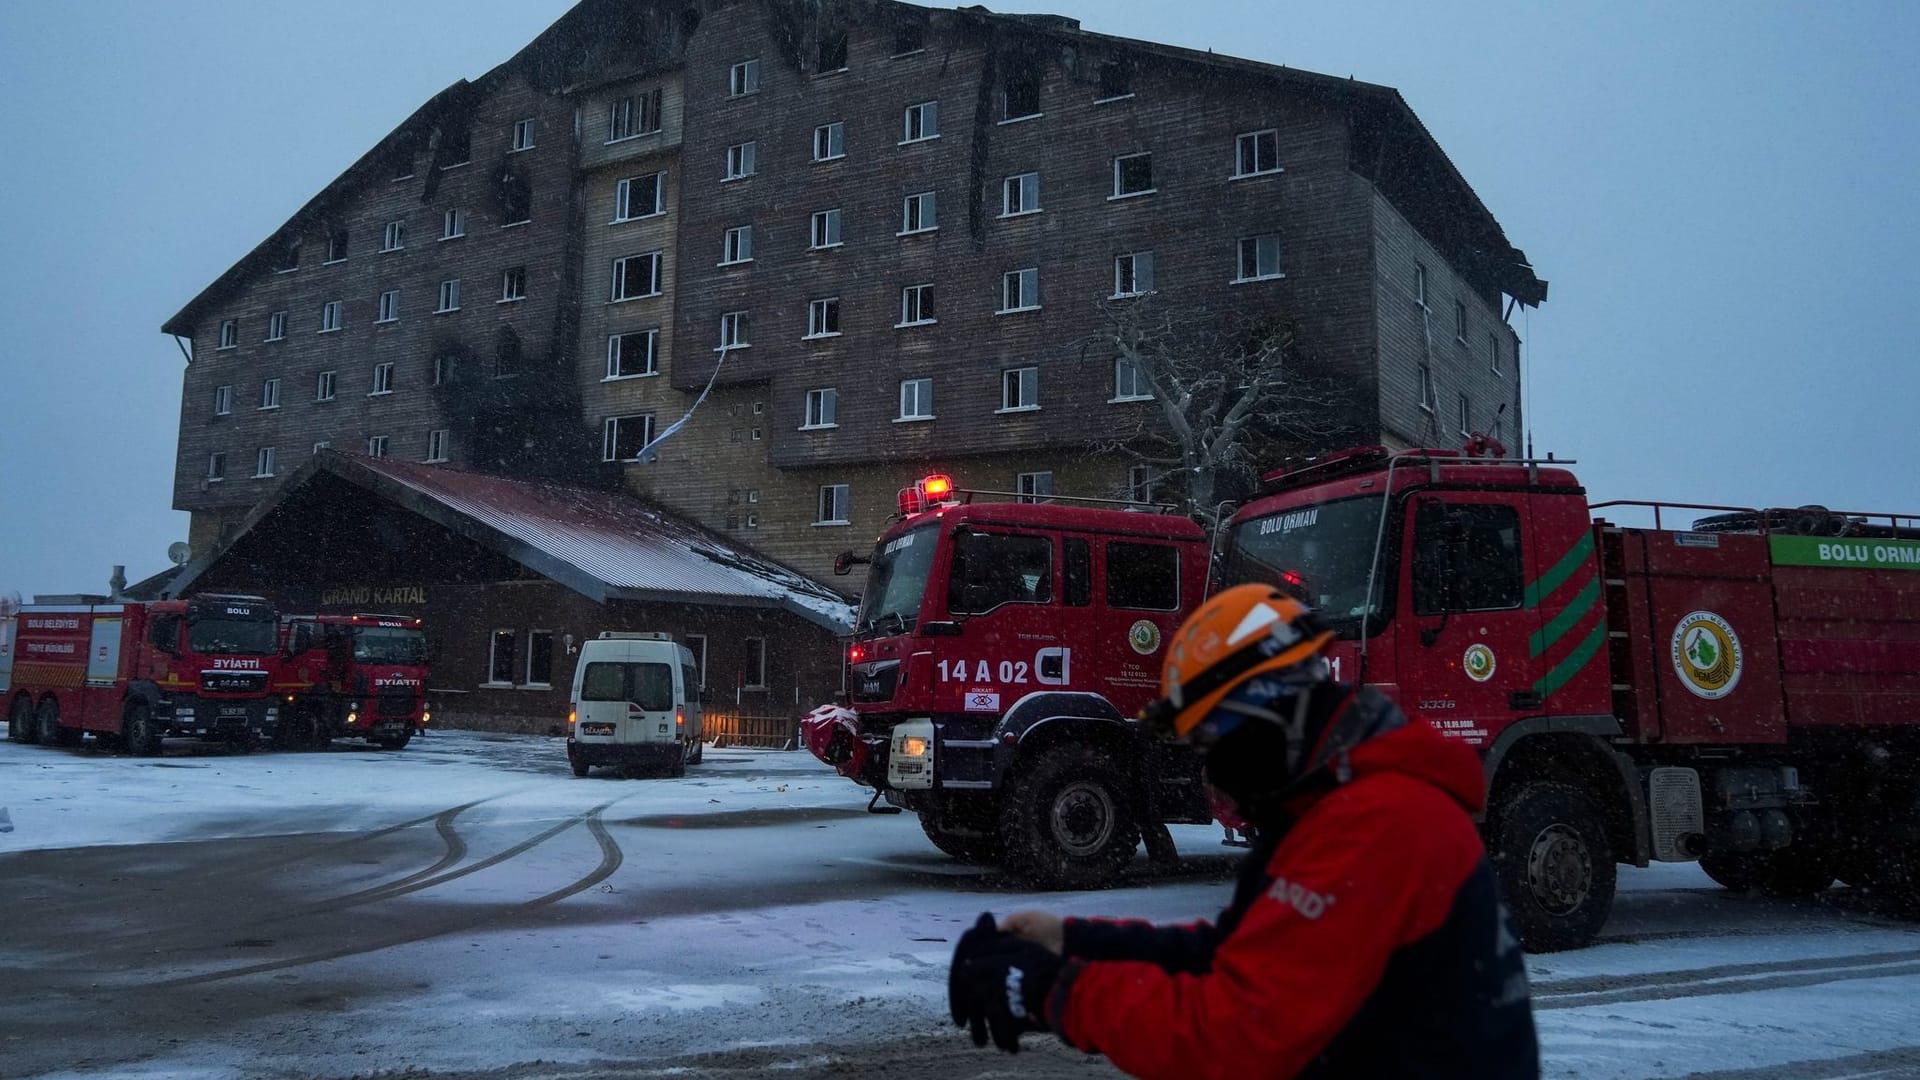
(727, 727)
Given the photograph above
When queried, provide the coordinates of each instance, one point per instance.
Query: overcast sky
(1725, 197)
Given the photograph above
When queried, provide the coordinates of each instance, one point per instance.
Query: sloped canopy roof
(604, 545)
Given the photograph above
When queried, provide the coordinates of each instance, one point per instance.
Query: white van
(636, 700)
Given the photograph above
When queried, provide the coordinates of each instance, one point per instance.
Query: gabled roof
(604, 545)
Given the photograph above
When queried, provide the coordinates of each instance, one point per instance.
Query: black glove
(999, 984)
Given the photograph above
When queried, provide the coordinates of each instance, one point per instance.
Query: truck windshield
(246, 637)
(1321, 554)
(897, 581)
(389, 645)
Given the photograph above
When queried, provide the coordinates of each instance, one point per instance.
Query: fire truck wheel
(978, 848)
(20, 722)
(395, 742)
(580, 768)
(1735, 871)
(51, 732)
(143, 737)
(1789, 872)
(1550, 850)
(1066, 821)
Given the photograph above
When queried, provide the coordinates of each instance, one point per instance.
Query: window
(442, 369)
(909, 37)
(823, 317)
(1020, 195)
(1132, 175)
(263, 462)
(823, 406)
(1256, 153)
(756, 669)
(833, 505)
(323, 444)
(1420, 284)
(539, 658)
(1076, 571)
(270, 394)
(506, 352)
(916, 305)
(393, 236)
(825, 231)
(449, 296)
(623, 437)
(631, 355)
(737, 245)
(1034, 486)
(1493, 354)
(635, 276)
(1466, 415)
(337, 246)
(223, 401)
(216, 467)
(830, 141)
(523, 135)
(332, 314)
(389, 310)
(289, 258)
(733, 330)
(1143, 577)
(453, 224)
(1140, 485)
(833, 53)
(991, 569)
(744, 78)
(740, 160)
(639, 196)
(277, 326)
(1019, 389)
(513, 284)
(922, 122)
(456, 147)
(377, 446)
(1133, 274)
(382, 379)
(632, 116)
(500, 658)
(1116, 81)
(1129, 383)
(323, 386)
(230, 333)
(1020, 290)
(1460, 321)
(916, 399)
(516, 200)
(1465, 558)
(403, 164)
(1020, 97)
(920, 214)
(1259, 258)
(1427, 396)
(697, 645)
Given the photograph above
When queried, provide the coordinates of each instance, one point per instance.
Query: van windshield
(897, 581)
(649, 686)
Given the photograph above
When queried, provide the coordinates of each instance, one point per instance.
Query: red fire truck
(1744, 691)
(353, 675)
(134, 673)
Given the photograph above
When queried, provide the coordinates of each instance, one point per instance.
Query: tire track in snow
(1722, 979)
(610, 859)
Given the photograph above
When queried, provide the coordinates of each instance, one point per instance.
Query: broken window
(1116, 81)
(833, 53)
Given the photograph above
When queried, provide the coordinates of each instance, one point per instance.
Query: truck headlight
(913, 746)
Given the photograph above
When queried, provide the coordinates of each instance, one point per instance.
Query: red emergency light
(929, 492)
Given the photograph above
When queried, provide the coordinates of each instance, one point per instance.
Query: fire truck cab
(1000, 656)
(361, 675)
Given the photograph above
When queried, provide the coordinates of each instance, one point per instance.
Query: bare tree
(1230, 388)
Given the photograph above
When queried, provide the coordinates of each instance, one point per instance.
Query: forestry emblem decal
(1479, 662)
(1144, 636)
(1706, 655)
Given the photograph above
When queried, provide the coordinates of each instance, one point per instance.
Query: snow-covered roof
(607, 545)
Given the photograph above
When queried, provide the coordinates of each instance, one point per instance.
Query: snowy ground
(467, 908)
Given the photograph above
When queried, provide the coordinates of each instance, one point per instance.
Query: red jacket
(1367, 940)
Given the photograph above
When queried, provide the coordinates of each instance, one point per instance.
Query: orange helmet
(1244, 631)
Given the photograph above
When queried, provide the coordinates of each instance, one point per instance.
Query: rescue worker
(1366, 936)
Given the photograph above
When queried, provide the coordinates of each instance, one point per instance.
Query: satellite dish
(179, 552)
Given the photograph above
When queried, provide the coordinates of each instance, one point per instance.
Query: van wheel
(142, 734)
(20, 723)
(51, 732)
(699, 753)
(679, 767)
(1066, 822)
(580, 768)
(1550, 850)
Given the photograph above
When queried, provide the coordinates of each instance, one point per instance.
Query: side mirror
(844, 563)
